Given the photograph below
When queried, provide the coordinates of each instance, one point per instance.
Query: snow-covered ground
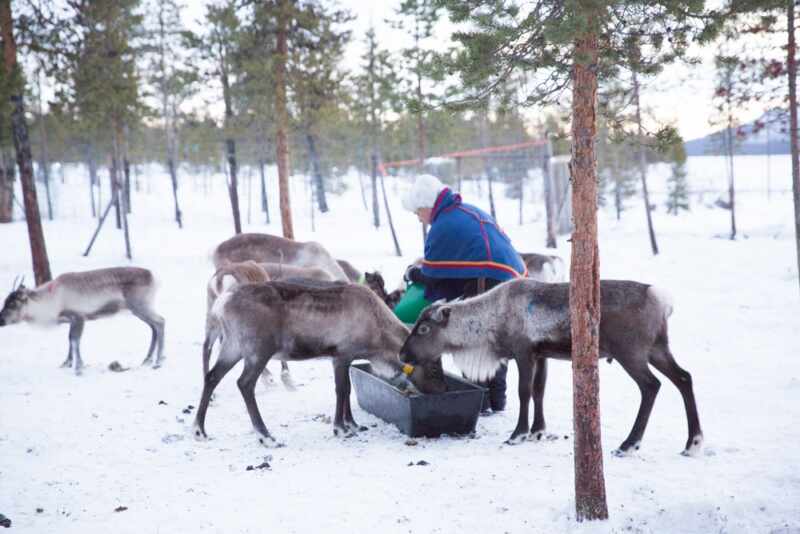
(73, 450)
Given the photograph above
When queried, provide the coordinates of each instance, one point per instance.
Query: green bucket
(412, 304)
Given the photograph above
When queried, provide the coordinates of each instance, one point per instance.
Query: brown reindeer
(530, 322)
(78, 297)
(293, 321)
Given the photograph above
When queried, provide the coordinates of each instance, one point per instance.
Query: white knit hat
(423, 193)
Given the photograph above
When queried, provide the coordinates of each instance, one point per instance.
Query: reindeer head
(15, 304)
(427, 340)
(375, 282)
(428, 377)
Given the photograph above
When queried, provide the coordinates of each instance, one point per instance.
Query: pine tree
(14, 83)
(677, 185)
(219, 47)
(419, 17)
(316, 49)
(572, 44)
(171, 79)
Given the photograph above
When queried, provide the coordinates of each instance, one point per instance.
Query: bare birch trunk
(549, 194)
(643, 166)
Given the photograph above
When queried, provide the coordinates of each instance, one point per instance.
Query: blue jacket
(465, 242)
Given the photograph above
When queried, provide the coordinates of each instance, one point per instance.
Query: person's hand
(413, 274)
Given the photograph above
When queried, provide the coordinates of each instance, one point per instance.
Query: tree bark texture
(376, 215)
(230, 154)
(386, 207)
(6, 194)
(122, 199)
(549, 194)
(791, 62)
(173, 176)
(22, 146)
(282, 121)
(643, 167)
(590, 493)
(319, 183)
(264, 199)
(731, 188)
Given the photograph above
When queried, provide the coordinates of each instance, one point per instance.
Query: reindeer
(302, 320)
(354, 275)
(75, 298)
(265, 248)
(544, 268)
(251, 272)
(529, 321)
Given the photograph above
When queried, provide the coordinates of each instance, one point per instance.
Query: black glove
(414, 274)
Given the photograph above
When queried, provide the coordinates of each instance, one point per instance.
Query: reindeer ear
(441, 314)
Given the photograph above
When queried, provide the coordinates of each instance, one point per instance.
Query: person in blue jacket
(466, 253)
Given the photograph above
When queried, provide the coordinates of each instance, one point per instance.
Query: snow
(80, 447)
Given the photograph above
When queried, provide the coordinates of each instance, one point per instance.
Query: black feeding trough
(452, 412)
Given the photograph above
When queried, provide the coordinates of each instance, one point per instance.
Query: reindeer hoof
(694, 446)
(67, 363)
(623, 452)
(344, 432)
(199, 434)
(536, 435)
(516, 439)
(270, 442)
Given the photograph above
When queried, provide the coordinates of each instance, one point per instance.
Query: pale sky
(680, 95)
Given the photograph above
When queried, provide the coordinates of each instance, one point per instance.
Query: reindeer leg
(253, 365)
(539, 382)
(226, 360)
(266, 378)
(341, 426)
(286, 377)
(525, 378)
(662, 359)
(74, 360)
(648, 385)
(156, 324)
(68, 362)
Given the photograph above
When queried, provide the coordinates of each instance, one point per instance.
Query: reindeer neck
(471, 321)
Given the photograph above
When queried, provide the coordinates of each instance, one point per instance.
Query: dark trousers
(495, 398)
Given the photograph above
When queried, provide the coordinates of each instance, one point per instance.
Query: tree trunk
(233, 184)
(386, 206)
(487, 168)
(264, 200)
(230, 153)
(122, 199)
(44, 160)
(319, 183)
(549, 194)
(459, 161)
(422, 135)
(173, 176)
(791, 62)
(584, 295)
(6, 194)
(114, 183)
(376, 216)
(643, 166)
(282, 121)
(126, 174)
(731, 190)
(22, 145)
(93, 182)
